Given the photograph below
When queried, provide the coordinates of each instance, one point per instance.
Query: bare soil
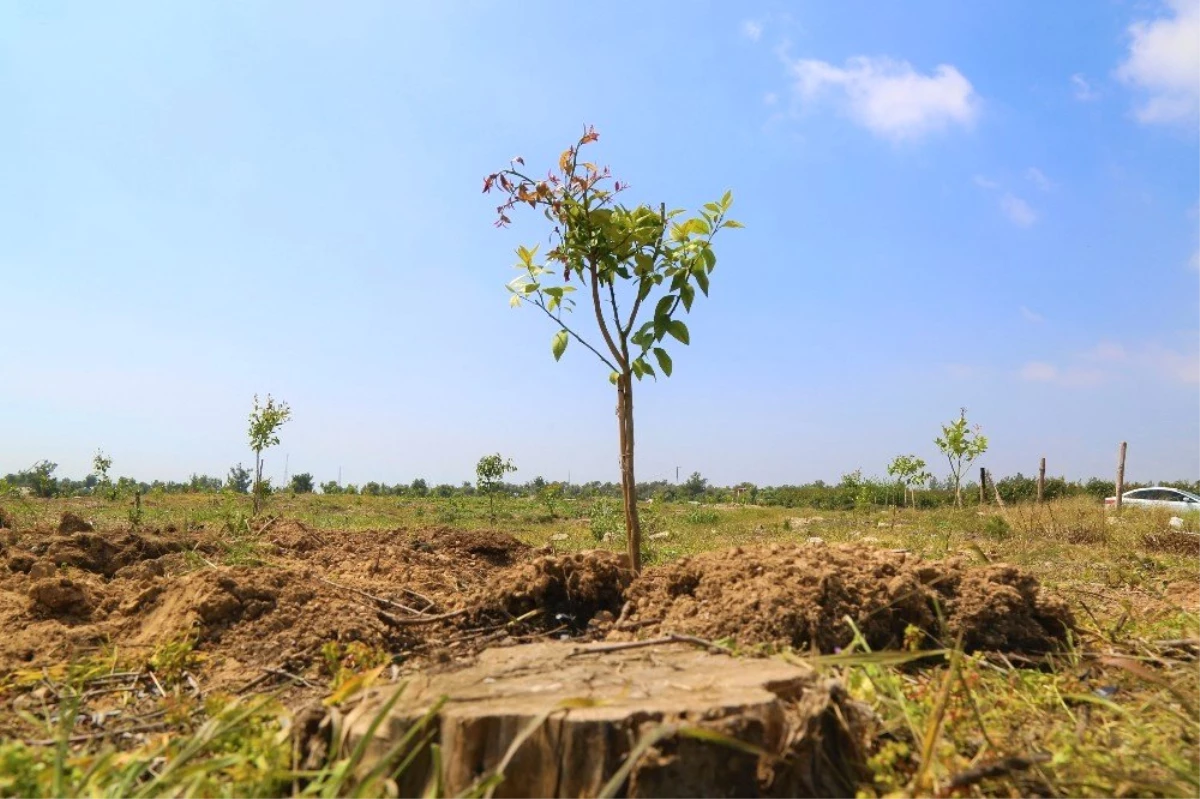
(437, 597)
(802, 596)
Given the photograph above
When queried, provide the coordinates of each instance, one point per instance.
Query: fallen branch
(668, 639)
(997, 768)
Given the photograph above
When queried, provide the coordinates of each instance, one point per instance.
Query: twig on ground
(372, 597)
(668, 639)
(997, 768)
(94, 736)
(293, 677)
(396, 621)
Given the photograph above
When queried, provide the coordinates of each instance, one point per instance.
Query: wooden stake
(982, 486)
(1121, 474)
(1041, 481)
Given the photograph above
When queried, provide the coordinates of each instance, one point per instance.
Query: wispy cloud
(1110, 361)
(1038, 178)
(985, 183)
(888, 97)
(1083, 90)
(770, 98)
(1163, 63)
(1032, 316)
(752, 30)
(1070, 377)
(1195, 262)
(1106, 351)
(1018, 211)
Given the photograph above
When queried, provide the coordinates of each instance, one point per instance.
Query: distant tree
(910, 473)
(419, 487)
(40, 479)
(626, 260)
(372, 489)
(444, 490)
(962, 446)
(695, 486)
(302, 483)
(489, 477)
(331, 487)
(265, 421)
(239, 479)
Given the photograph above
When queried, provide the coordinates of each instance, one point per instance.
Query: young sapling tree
(909, 471)
(962, 445)
(626, 260)
(101, 463)
(265, 421)
(489, 477)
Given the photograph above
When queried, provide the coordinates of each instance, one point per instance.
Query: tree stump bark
(571, 715)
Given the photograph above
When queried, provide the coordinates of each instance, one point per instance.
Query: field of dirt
(428, 598)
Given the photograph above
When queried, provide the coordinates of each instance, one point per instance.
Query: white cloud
(1083, 90)
(1038, 178)
(752, 30)
(770, 98)
(984, 183)
(1195, 262)
(1164, 63)
(1032, 316)
(1018, 211)
(888, 97)
(1110, 360)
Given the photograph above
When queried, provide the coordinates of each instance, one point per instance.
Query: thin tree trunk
(257, 479)
(633, 529)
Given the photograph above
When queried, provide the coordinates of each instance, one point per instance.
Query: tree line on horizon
(852, 490)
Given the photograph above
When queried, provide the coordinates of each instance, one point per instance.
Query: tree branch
(539, 303)
(594, 274)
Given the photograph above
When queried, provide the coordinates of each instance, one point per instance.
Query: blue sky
(987, 204)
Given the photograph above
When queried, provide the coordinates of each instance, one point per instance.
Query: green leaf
(612, 377)
(710, 258)
(686, 295)
(702, 280)
(558, 345)
(679, 331)
(726, 200)
(664, 360)
(732, 223)
(514, 300)
(664, 305)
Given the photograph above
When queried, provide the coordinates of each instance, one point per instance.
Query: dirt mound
(105, 553)
(6, 521)
(800, 597)
(568, 590)
(491, 546)
(60, 596)
(1179, 542)
(71, 523)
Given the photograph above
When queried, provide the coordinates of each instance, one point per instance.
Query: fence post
(1121, 474)
(982, 486)
(1041, 481)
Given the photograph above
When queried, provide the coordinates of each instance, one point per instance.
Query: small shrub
(997, 527)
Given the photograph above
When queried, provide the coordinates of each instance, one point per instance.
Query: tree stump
(572, 715)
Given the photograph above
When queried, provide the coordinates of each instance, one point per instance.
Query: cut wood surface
(578, 718)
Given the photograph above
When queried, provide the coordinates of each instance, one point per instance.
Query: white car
(1158, 497)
